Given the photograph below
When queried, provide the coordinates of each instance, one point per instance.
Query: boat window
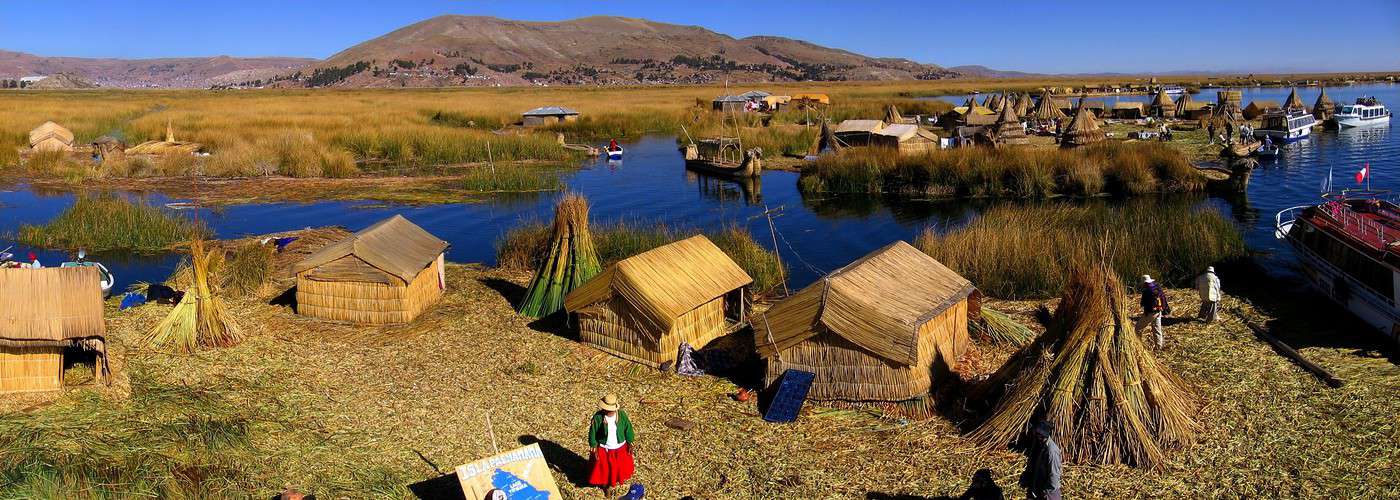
(1358, 266)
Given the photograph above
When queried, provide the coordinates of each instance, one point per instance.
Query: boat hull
(1323, 276)
(1356, 121)
(1292, 135)
(727, 170)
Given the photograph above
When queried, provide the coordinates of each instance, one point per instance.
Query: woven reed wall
(846, 372)
(369, 303)
(31, 369)
(614, 326)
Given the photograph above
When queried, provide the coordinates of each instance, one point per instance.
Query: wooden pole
(1282, 348)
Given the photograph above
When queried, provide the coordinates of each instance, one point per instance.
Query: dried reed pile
(570, 261)
(1109, 398)
(201, 319)
(999, 328)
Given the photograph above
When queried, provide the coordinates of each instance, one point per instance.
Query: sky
(1065, 36)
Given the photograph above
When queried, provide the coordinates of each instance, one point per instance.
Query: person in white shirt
(1208, 286)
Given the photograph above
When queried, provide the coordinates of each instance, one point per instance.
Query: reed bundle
(1110, 400)
(570, 262)
(999, 328)
(201, 319)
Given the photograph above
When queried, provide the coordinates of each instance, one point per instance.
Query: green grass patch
(511, 179)
(1017, 251)
(108, 222)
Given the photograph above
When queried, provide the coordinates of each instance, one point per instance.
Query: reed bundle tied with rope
(1090, 375)
(201, 318)
(570, 262)
(999, 328)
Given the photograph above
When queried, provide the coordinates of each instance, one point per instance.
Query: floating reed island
(109, 222)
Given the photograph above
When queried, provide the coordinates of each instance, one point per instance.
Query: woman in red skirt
(610, 439)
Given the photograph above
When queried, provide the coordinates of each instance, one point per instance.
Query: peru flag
(1365, 171)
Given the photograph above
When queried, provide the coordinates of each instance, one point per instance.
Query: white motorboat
(1365, 112)
(104, 276)
(1286, 125)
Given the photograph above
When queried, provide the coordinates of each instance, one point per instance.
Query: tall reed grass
(511, 179)
(106, 222)
(1018, 252)
(1116, 168)
(524, 246)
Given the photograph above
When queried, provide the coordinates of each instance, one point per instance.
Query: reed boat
(1365, 112)
(1349, 249)
(1240, 149)
(723, 157)
(1286, 125)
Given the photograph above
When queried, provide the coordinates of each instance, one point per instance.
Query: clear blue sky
(1044, 36)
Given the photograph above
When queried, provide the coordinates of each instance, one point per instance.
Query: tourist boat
(1367, 111)
(1349, 249)
(104, 276)
(724, 156)
(1174, 91)
(1286, 125)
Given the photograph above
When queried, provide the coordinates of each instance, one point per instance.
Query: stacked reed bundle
(1106, 394)
(999, 328)
(571, 261)
(201, 319)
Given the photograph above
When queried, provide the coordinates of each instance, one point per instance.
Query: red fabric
(611, 467)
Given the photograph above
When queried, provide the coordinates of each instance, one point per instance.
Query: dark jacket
(1154, 299)
(1042, 467)
(598, 431)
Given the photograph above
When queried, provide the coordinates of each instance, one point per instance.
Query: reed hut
(1293, 101)
(1008, 129)
(909, 139)
(548, 115)
(872, 331)
(1045, 109)
(1227, 107)
(643, 307)
(810, 100)
(972, 115)
(1083, 129)
(166, 147)
(892, 116)
(1091, 376)
(1129, 110)
(387, 273)
(50, 137)
(729, 103)
(45, 312)
(1324, 107)
(1258, 107)
(1162, 105)
(1190, 109)
(858, 132)
(1022, 104)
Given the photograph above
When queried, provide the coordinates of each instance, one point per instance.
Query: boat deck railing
(1363, 227)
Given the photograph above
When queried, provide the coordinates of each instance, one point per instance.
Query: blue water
(813, 234)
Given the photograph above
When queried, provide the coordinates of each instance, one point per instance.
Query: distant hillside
(192, 72)
(467, 50)
(979, 71)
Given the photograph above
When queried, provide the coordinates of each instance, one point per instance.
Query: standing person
(1042, 476)
(1154, 306)
(610, 438)
(1208, 285)
(1210, 130)
(1229, 132)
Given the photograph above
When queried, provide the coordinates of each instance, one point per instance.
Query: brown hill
(194, 72)
(471, 50)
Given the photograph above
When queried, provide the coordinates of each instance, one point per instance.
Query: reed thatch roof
(50, 130)
(865, 126)
(665, 282)
(893, 116)
(394, 246)
(1091, 376)
(1045, 108)
(1293, 101)
(904, 131)
(1023, 104)
(1184, 104)
(1162, 104)
(877, 303)
(1083, 128)
(1258, 107)
(50, 306)
(1324, 107)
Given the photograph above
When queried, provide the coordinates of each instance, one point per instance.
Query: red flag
(1365, 171)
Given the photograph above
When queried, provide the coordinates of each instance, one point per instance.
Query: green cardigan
(598, 431)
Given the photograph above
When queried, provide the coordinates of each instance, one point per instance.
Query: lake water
(814, 234)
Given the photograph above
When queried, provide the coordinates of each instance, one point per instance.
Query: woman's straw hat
(609, 403)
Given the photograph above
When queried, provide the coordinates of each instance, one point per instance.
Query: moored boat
(1286, 125)
(1349, 250)
(1174, 90)
(723, 156)
(104, 276)
(1366, 111)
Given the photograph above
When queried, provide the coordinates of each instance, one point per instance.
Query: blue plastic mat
(792, 392)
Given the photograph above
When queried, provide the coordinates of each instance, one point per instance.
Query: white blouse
(612, 442)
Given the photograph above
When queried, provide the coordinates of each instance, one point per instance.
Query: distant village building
(1129, 110)
(548, 115)
(728, 103)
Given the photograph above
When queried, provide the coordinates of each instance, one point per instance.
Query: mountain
(196, 72)
(979, 71)
(471, 50)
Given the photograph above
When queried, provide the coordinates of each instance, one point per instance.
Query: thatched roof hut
(45, 311)
(892, 116)
(1183, 104)
(50, 137)
(874, 330)
(729, 103)
(1129, 110)
(1324, 107)
(1162, 105)
(1045, 109)
(1258, 107)
(167, 146)
(387, 273)
(1091, 376)
(1008, 129)
(1083, 128)
(548, 115)
(907, 138)
(643, 307)
(1227, 107)
(970, 114)
(858, 132)
(1293, 101)
(1022, 104)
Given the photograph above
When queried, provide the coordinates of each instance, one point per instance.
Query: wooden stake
(1282, 348)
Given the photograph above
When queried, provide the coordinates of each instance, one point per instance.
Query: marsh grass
(1017, 251)
(524, 246)
(106, 222)
(1112, 168)
(511, 179)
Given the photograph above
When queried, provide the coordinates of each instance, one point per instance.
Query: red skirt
(611, 467)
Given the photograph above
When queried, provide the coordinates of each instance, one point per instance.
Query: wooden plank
(1282, 348)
